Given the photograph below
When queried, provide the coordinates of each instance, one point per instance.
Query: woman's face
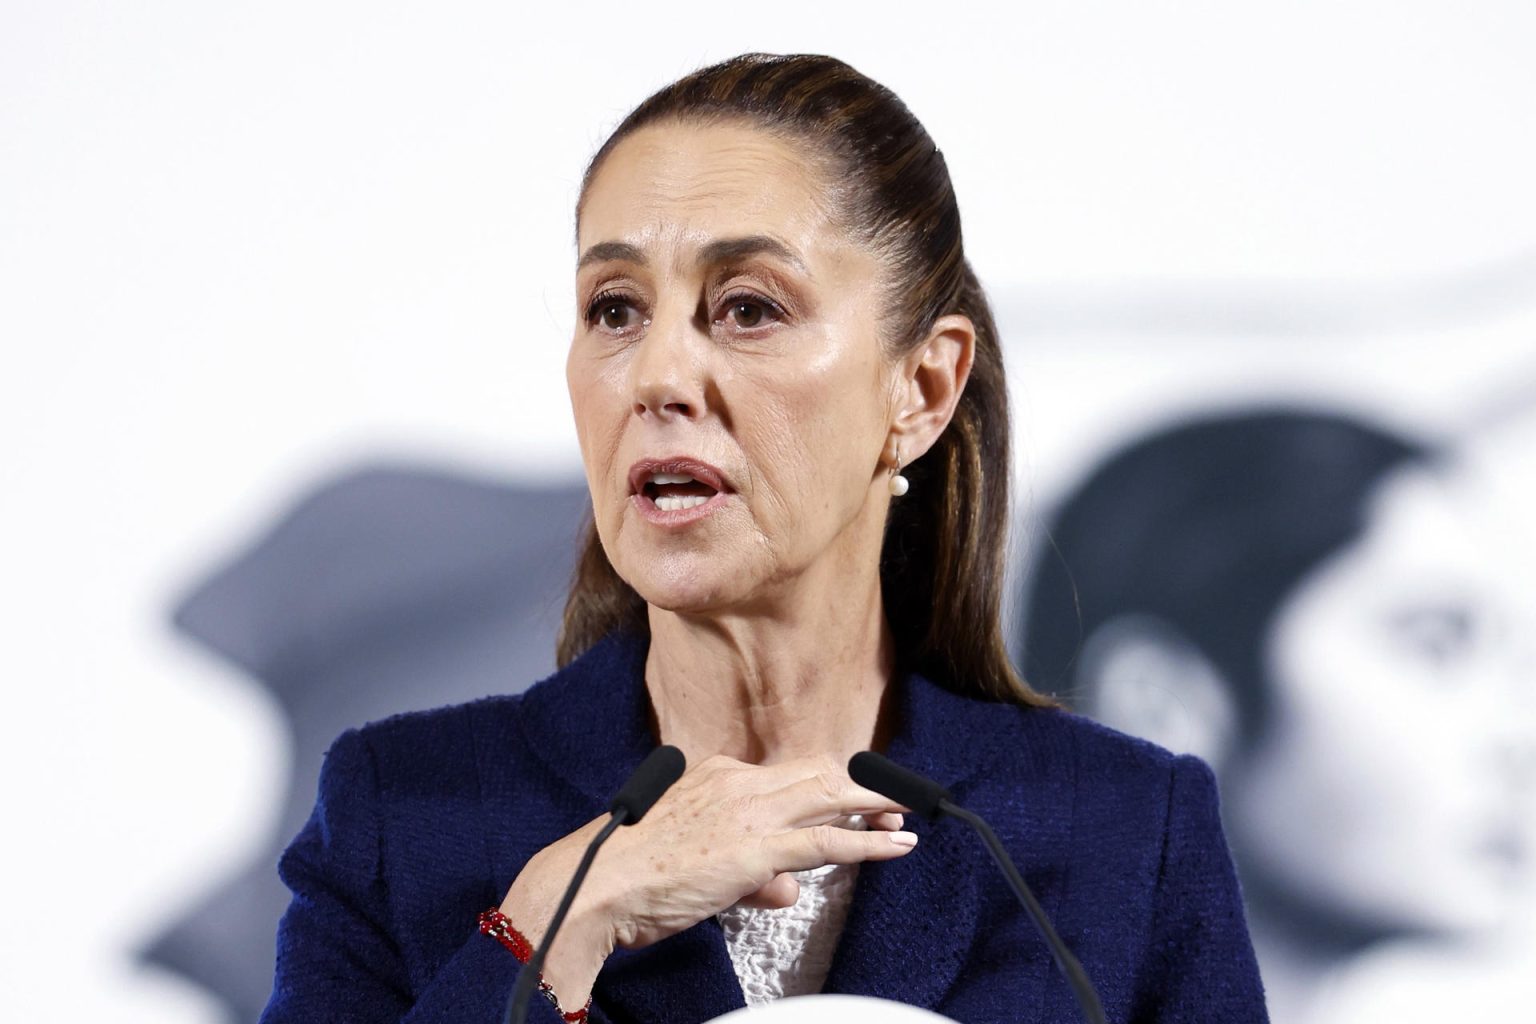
(1387, 794)
(732, 398)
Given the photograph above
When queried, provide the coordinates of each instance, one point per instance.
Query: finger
(782, 891)
(887, 821)
(824, 797)
(819, 845)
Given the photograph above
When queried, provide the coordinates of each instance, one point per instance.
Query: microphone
(903, 785)
(926, 797)
(654, 777)
(662, 767)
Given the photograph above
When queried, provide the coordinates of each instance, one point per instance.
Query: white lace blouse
(788, 952)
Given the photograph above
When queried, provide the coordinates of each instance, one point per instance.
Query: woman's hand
(726, 832)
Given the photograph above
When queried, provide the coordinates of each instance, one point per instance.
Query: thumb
(783, 891)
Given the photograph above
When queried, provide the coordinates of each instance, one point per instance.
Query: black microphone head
(662, 767)
(906, 787)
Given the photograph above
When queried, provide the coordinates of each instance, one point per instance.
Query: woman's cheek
(778, 474)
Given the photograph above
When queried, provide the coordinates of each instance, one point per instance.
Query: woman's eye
(746, 313)
(613, 313)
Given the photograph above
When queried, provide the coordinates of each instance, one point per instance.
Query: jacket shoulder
(1114, 780)
(1056, 741)
(439, 747)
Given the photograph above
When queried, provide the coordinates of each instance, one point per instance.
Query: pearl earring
(898, 484)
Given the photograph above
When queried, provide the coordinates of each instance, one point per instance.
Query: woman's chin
(675, 586)
(682, 601)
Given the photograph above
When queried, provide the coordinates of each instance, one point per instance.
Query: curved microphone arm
(1073, 971)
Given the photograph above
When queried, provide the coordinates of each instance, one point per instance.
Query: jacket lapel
(912, 921)
(915, 918)
(918, 921)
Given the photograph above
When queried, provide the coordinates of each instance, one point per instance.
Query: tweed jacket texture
(424, 819)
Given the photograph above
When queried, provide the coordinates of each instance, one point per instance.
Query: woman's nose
(668, 367)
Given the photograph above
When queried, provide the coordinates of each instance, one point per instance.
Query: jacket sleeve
(337, 959)
(1201, 966)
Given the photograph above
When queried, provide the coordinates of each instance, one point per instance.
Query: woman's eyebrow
(727, 250)
(602, 252)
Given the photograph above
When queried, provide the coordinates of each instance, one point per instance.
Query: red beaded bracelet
(499, 927)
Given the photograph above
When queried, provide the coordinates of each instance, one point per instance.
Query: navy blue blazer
(423, 821)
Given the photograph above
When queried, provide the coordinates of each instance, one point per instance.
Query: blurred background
(285, 292)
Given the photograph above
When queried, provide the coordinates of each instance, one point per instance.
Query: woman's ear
(931, 379)
(1142, 676)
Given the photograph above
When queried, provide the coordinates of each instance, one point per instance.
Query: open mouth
(674, 492)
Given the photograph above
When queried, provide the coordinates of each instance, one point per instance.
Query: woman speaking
(790, 400)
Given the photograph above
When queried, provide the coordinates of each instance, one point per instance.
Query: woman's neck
(808, 677)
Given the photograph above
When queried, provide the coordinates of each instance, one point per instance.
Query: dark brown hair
(942, 565)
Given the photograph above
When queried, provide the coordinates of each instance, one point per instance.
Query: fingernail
(903, 838)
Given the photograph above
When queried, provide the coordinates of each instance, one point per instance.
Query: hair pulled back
(942, 565)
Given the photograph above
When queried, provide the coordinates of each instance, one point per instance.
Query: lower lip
(677, 517)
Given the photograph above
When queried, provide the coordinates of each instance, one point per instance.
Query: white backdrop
(244, 244)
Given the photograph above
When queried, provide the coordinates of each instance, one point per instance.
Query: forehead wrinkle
(692, 247)
(737, 161)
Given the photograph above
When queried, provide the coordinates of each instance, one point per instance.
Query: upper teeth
(671, 478)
